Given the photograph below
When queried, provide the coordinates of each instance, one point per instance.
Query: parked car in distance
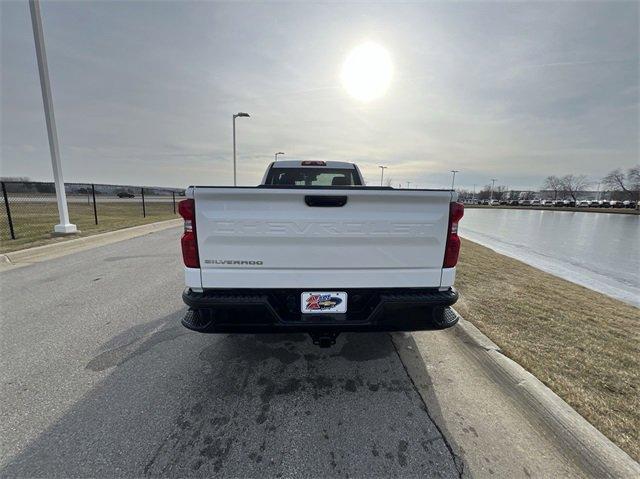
(616, 204)
(535, 202)
(568, 203)
(494, 203)
(124, 194)
(525, 203)
(629, 204)
(584, 204)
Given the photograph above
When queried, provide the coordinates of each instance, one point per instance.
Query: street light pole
(408, 183)
(241, 115)
(493, 183)
(276, 155)
(382, 168)
(65, 226)
(453, 180)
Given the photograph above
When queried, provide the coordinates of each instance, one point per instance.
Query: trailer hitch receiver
(324, 339)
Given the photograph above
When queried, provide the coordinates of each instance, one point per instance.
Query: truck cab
(312, 173)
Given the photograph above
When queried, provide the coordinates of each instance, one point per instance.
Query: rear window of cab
(305, 176)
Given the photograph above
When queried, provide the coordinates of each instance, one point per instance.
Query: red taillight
(313, 163)
(452, 248)
(187, 210)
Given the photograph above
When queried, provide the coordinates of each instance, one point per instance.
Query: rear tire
(198, 321)
(444, 318)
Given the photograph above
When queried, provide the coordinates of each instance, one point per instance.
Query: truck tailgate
(272, 238)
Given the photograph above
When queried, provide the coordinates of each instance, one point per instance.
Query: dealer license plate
(324, 302)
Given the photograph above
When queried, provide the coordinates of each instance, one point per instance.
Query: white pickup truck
(312, 249)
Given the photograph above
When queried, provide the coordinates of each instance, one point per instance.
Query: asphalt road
(100, 379)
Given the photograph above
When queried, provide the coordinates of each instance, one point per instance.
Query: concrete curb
(37, 254)
(596, 453)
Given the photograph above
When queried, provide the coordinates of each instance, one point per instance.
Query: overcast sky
(144, 92)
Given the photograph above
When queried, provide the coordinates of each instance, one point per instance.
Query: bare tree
(633, 178)
(553, 183)
(500, 191)
(484, 193)
(572, 184)
(628, 184)
(464, 194)
(616, 180)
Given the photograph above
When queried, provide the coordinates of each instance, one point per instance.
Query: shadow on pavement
(177, 403)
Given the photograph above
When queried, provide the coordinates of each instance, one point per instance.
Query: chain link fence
(29, 209)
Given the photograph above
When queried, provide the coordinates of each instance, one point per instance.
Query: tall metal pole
(453, 180)
(234, 151)
(493, 183)
(65, 227)
(382, 168)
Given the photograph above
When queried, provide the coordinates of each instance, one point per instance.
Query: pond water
(598, 250)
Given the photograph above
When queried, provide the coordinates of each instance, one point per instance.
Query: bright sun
(366, 73)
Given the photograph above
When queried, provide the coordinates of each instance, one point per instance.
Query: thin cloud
(145, 95)
(579, 63)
